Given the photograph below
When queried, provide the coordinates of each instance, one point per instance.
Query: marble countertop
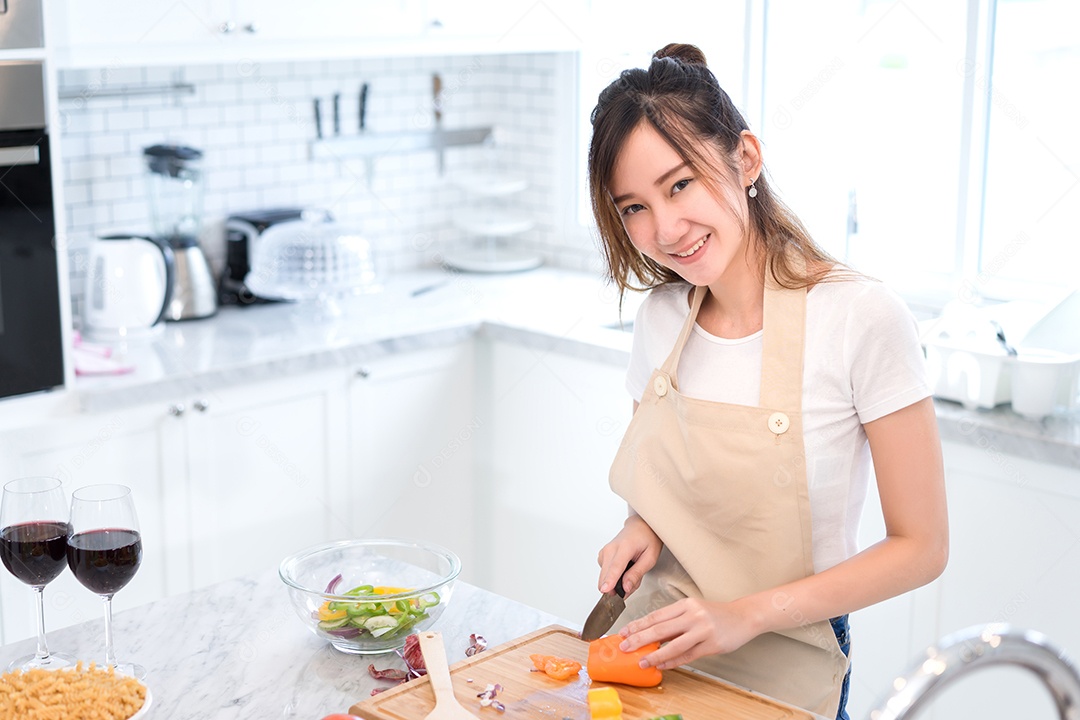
(550, 309)
(414, 310)
(237, 650)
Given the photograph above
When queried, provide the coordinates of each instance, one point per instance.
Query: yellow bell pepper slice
(604, 704)
(326, 614)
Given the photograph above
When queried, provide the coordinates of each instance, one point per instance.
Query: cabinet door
(266, 472)
(121, 27)
(321, 20)
(140, 447)
(412, 443)
(545, 506)
(511, 25)
(1015, 559)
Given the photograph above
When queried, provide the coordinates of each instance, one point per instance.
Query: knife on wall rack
(436, 102)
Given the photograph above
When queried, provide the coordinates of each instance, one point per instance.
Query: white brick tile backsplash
(255, 125)
(121, 120)
(201, 73)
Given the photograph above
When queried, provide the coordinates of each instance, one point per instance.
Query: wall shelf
(395, 143)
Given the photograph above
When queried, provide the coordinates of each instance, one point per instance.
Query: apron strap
(671, 365)
(784, 322)
(783, 341)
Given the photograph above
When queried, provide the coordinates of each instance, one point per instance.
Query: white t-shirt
(862, 361)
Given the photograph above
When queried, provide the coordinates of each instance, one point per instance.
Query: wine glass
(104, 551)
(33, 539)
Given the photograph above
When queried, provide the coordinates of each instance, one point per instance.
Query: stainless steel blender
(175, 188)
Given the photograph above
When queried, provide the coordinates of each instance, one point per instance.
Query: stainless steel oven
(31, 348)
(20, 24)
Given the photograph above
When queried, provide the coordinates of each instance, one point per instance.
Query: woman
(765, 377)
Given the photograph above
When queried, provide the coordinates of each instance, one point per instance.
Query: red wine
(104, 560)
(34, 551)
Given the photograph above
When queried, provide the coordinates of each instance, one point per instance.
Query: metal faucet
(981, 646)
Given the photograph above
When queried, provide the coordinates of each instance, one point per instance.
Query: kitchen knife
(436, 101)
(363, 106)
(607, 611)
(369, 162)
(318, 120)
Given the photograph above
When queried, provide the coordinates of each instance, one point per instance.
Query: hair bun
(683, 52)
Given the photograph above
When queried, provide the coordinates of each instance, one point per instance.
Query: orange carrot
(556, 667)
(607, 663)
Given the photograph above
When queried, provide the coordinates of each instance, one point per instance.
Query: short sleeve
(885, 359)
(640, 369)
(656, 327)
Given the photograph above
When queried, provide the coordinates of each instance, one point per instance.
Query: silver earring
(752, 192)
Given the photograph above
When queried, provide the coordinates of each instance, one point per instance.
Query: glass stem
(42, 647)
(110, 656)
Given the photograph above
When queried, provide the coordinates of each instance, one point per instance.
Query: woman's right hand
(637, 542)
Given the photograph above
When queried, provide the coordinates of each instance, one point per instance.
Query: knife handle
(618, 586)
(436, 96)
(363, 106)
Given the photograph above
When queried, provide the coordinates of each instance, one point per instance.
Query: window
(1032, 191)
(935, 145)
(862, 126)
(629, 37)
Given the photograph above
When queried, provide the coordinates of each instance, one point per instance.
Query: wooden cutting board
(534, 695)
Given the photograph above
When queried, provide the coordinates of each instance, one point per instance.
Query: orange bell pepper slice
(555, 667)
(607, 663)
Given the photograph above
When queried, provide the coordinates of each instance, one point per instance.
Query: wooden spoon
(447, 706)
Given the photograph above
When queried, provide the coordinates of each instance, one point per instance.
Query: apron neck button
(779, 423)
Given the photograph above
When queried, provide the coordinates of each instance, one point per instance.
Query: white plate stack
(491, 224)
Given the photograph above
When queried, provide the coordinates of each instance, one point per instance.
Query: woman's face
(670, 214)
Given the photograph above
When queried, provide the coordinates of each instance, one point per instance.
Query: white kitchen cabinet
(509, 26)
(1015, 558)
(266, 471)
(224, 481)
(116, 34)
(544, 502)
(142, 447)
(413, 433)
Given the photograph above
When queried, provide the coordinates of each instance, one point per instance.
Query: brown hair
(680, 98)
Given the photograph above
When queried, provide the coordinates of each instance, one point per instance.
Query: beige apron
(724, 486)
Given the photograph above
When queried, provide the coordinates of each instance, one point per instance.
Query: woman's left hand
(692, 628)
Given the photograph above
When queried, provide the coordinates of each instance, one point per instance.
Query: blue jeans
(842, 629)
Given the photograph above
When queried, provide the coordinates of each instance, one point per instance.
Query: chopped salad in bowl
(367, 596)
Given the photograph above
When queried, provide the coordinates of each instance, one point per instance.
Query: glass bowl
(367, 596)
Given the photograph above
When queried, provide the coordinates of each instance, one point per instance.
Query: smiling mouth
(690, 251)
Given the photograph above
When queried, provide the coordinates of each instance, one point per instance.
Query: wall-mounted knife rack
(397, 143)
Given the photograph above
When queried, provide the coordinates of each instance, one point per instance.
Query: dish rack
(491, 225)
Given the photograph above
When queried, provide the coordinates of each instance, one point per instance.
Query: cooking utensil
(369, 161)
(436, 102)
(447, 706)
(363, 106)
(534, 695)
(318, 119)
(337, 114)
(607, 611)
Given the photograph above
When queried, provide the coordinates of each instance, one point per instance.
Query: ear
(749, 157)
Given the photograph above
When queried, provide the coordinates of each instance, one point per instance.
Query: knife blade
(607, 611)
